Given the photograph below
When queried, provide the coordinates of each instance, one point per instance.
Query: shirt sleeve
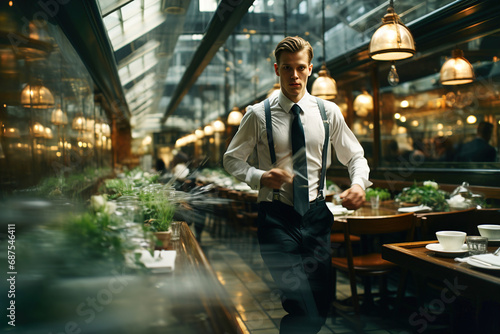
(240, 148)
(348, 150)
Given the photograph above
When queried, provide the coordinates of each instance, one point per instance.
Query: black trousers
(296, 251)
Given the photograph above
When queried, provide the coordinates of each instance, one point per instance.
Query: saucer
(439, 249)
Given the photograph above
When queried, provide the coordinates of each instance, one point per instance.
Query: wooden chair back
(432, 222)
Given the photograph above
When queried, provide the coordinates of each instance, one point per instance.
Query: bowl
(451, 240)
(490, 231)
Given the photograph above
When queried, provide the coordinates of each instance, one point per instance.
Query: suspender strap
(325, 147)
(270, 141)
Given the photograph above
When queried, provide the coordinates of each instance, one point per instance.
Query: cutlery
(497, 251)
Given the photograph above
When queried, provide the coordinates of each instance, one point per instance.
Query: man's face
(293, 69)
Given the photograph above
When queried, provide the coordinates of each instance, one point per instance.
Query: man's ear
(276, 69)
(310, 69)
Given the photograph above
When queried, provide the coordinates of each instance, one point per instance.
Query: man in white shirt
(295, 244)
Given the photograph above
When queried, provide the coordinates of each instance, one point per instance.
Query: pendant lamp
(79, 122)
(59, 117)
(324, 86)
(363, 104)
(37, 97)
(174, 7)
(457, 70)
(219, 126)
(209, 130)
(234, 117)
(392, 40)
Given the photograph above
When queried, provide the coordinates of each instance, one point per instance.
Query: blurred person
(479, 149)
(294, 230)
(443, 149)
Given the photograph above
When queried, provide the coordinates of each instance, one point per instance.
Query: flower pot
(164, 237)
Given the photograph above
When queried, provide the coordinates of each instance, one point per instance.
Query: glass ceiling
(154, 42)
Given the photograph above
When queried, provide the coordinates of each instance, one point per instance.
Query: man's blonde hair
(293, 45)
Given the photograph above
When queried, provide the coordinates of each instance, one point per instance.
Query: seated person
(478, 149)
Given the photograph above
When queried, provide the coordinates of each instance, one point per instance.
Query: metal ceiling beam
(82, 23)
(227, 16)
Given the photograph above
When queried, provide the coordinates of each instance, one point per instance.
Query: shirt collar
(286, 104)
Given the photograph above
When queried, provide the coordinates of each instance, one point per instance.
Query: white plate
(439, 249)
(477, 264)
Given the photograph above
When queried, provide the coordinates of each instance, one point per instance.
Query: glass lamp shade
(37, 96)
(11, 133)
(105, 130)
(199, 133)
(392, 40)
(174, 7)
(48, 133)
(276, 88)
(219, 126)
(79, 123)
(209, 130)
(456, 70)
(59, 117)
(363, 104)
(324, 86)
(234, 117)
(38, 130)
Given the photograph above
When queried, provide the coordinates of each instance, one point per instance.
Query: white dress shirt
(252, 133)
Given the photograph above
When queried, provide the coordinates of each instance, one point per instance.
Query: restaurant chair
(371, 264)
(430, 223)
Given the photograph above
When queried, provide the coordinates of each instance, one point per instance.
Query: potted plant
(382, 193)
(159, 213)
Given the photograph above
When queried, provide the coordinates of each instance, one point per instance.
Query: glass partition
(50, 126)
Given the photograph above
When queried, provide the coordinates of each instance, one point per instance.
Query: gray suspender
(270, 140)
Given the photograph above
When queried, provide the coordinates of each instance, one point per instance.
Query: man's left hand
(353, 197)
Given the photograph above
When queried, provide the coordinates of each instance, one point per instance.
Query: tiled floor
(256, 299)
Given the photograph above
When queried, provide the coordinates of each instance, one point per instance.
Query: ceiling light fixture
(457, 70)
(37, 97)
(234, 117)
(324, 86)
(392, 40)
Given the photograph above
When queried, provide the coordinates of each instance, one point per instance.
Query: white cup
(451, 240)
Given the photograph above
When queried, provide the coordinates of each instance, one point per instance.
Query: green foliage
(115, 188)
(158, 211)
(383, 193)
(427, 194)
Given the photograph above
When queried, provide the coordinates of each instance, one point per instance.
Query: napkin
(162, 262)
(337, 209)
(418, 208)
(488, 258)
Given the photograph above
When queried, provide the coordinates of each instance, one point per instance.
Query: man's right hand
(275, 177)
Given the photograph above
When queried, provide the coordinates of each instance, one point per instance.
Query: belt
(316, 202)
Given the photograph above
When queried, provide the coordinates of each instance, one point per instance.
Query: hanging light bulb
(234, 117)
(393, 77)
(457, 70)
(392, 40)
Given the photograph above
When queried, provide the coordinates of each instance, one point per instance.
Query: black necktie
(300, 183)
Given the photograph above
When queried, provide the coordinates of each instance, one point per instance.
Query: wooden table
(467, 280)
(386, 208)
